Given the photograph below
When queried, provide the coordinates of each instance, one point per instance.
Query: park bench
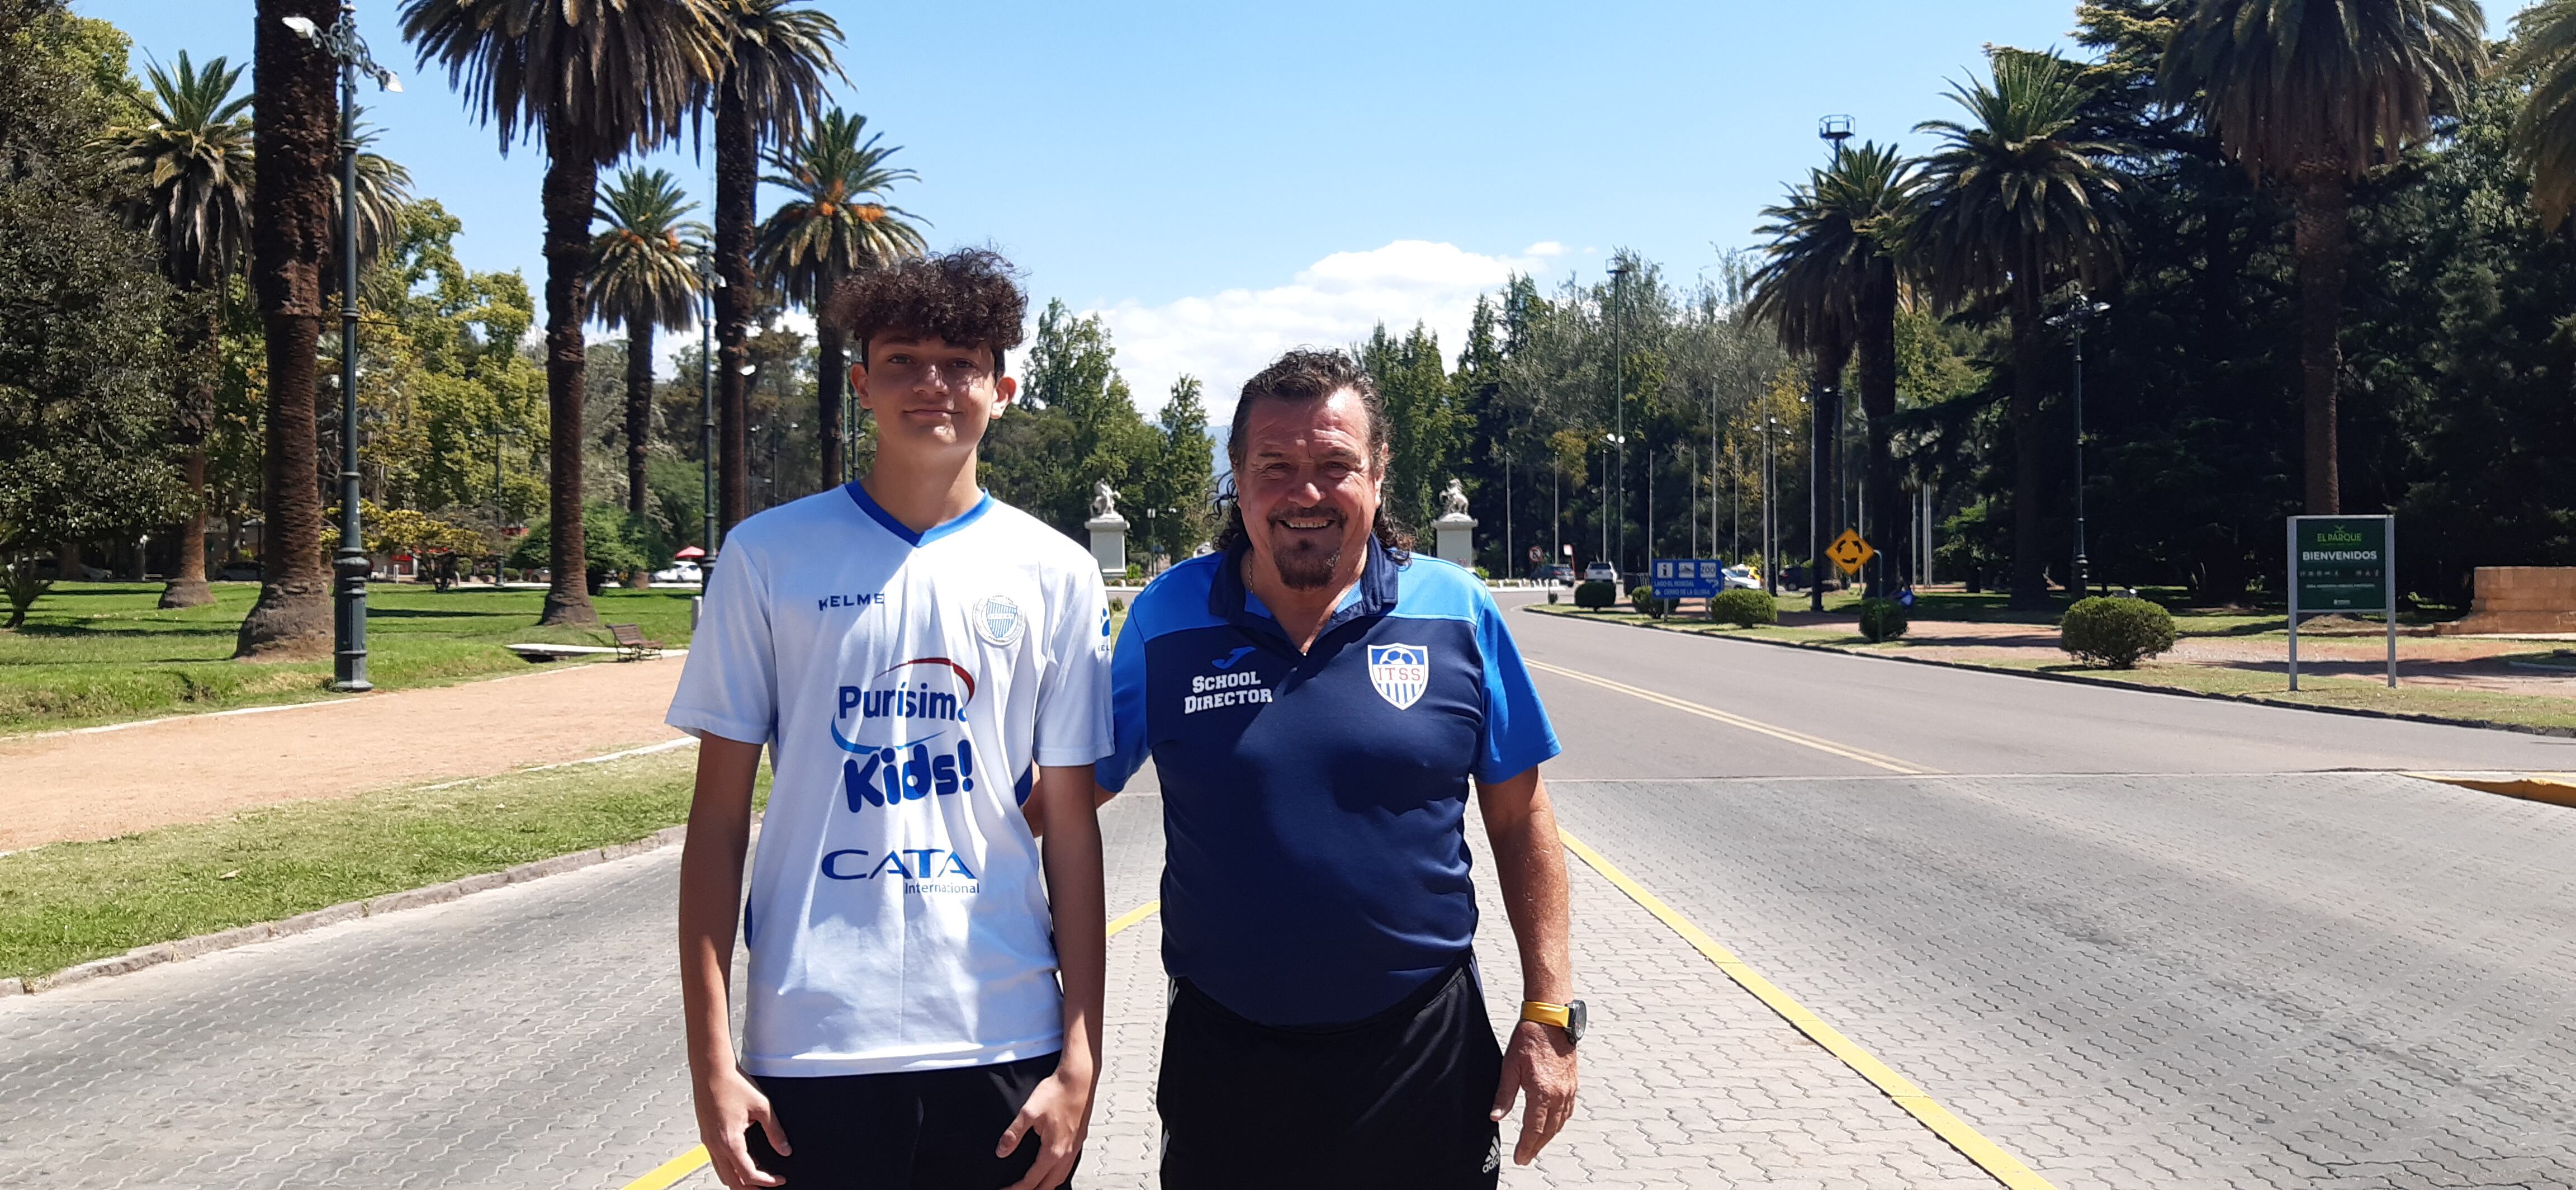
(631, 645)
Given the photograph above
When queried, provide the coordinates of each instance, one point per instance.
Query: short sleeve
(1518, 736)
(1073, 692)
(729, 687)
(1127, 710)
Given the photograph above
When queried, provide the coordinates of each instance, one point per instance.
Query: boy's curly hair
(965, 296)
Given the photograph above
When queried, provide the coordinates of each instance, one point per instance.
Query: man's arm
(1059, 1110)
(710, 901)
(1529, 864)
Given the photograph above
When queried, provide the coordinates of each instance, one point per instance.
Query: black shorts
(930, 1129)
(1400, 1100)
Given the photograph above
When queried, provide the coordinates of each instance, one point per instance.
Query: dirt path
(98, 783)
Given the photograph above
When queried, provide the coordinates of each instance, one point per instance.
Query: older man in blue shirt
(1317, 701)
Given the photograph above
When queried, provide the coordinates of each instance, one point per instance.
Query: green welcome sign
(2340, 563)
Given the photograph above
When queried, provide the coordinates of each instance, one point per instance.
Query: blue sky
(1225, 180)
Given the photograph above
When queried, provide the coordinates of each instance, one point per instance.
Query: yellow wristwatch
(1568, 1016)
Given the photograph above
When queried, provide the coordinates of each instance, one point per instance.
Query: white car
(1601, 572)
(1742, 578)
(680, 572)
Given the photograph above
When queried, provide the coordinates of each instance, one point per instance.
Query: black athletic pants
(917, 1130)
(1398, 1101)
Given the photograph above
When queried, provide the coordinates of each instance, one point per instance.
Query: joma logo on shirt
(928, 863)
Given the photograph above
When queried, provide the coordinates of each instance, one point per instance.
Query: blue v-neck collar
(867, 504)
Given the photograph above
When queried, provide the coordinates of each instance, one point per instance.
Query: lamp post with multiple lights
(708, 280)
(1619, 401)
(2082, 310)
(349, 565)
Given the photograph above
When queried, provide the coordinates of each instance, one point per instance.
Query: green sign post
(2343, 564)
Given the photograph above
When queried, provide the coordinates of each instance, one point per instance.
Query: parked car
(680, 572)
(1601, 572)
(1743, 578)
(1562, 575)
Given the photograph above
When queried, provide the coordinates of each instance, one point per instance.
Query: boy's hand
(1059, 1111)
(728, 1104)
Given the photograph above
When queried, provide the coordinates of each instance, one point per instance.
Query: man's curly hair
(966, 296)
(1303, 376)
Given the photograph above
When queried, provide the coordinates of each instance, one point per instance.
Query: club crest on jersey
(1400, 672)
(997, 619)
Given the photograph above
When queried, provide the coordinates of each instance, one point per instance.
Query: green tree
(769, 85)
(596, 83)
(2015, 201)
(1074, 424)
(2310, 94)
(645, 279)
(837, 224)
(1424, 428)
(191, 153)
(1180, 483)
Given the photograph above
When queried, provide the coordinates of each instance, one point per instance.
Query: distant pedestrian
(1316, 701)
(929, 670)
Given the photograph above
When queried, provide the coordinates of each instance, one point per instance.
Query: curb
(2098, 683)
(417, 898)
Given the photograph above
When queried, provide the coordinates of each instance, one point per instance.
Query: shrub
(2115, 632)
(1743, 608)
(1135, 573)
(1881, 619)
(1596, 594)
(1643, 599)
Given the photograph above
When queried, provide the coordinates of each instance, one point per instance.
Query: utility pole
(1619, 394)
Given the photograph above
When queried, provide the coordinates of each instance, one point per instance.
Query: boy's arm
(1059, 1111)
(710, 902)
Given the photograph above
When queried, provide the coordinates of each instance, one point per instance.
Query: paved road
(2136, 940)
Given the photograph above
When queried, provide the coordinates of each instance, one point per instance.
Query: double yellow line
(664, 1175)
(1756, 726)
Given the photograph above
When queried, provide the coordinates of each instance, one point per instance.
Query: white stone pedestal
(1109, 546)
(1455, 535)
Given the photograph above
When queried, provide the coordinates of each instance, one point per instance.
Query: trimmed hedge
(1881, 620)
(1743, 608)
(2115, 632)
(1596, 594)
(1644, 601)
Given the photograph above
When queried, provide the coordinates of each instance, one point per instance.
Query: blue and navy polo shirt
(1314, 804)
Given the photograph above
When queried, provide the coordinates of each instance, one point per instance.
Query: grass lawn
(68, 903)
(100, 652)
(2315, 690)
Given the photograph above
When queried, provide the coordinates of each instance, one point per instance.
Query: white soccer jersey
(906, 685)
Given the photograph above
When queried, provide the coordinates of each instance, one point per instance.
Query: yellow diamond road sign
(1849, 553)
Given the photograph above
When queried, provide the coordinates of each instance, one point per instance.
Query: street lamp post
(707, 282)
(2084, 310)
(349, 563)
(1619, 398)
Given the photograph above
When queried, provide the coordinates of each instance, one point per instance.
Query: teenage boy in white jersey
(930, 671)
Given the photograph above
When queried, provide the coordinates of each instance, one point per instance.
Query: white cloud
(1226, 337)
(1544, 248)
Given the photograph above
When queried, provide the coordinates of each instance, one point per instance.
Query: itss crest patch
(997, 619)
(1400, 672)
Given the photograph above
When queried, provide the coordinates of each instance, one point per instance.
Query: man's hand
(1059, 1111)
(1540, 1061)
(728, 1105)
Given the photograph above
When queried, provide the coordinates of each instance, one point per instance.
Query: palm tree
(2312, 93)
(596, 81)
(837, 224)
(646, 279)
(296, 144)
(1830, 288)
(2015, 201)
(192, 153)
(2544, 132)
(772, 84)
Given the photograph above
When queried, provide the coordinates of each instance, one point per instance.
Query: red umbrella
(690, 552)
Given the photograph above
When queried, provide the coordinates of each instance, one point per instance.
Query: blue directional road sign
(1687, 578)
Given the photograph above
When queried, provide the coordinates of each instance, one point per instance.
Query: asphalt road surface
(2132, 939)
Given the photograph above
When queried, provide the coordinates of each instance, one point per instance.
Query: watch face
(1576, 1020)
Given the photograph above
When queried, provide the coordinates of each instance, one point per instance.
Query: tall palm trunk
(2030, 576)
(1826, 410)
(293, 133)
(830, 374)
(737, 185)
(2322, 225)
(1878, 406)
(196, 419)
(571, 192)
(639, 409)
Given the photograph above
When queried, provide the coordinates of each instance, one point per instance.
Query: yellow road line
(687, 1163)
(1800, 738)
(1971, 1144)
